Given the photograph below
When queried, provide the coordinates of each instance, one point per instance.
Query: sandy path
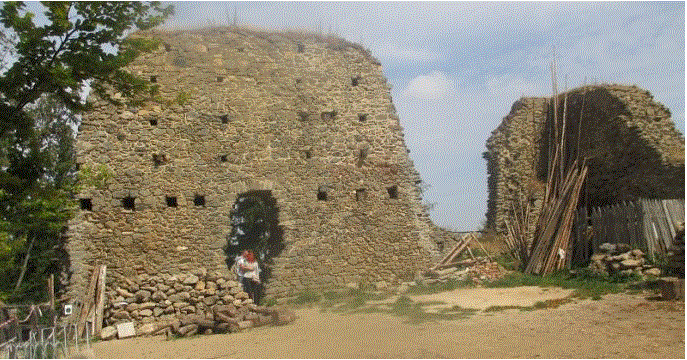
(625, 326)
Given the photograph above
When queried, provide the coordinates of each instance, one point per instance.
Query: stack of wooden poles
(91, 314)
(550, 248)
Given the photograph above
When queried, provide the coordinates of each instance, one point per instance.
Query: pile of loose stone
(620, 259)
(477, 270)
(183, 304)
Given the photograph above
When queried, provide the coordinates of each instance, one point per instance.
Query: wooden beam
(87, 302)
(100, 296)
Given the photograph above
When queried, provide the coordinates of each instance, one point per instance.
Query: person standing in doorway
(249, 274)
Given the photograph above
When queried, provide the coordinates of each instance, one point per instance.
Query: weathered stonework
(630, 142)
(287, 114)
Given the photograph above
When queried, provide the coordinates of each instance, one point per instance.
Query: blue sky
(457, 67)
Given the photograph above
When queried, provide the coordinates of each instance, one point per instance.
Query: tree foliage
(254, 220)
(44, 68)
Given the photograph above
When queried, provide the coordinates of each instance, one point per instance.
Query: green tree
(37, 207)
(255, 226)
(80, 42)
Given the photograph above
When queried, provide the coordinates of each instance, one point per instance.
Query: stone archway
(255, 226)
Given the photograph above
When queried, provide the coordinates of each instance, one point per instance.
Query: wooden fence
(647, 224)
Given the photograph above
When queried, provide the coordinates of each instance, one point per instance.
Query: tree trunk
(23, 265)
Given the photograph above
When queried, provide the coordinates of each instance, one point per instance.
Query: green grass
(585, 284)
(440, 287)
(495, 308)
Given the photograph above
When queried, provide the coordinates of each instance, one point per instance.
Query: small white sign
(68, 309)
(125, 330)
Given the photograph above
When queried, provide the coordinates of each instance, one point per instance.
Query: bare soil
(617, 326)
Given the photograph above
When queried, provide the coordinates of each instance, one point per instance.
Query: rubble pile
(184, 303)
(620, 259)
(477, 270)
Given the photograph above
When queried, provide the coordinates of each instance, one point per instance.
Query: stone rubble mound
(477, 270)
(620, 259)
(184, 303)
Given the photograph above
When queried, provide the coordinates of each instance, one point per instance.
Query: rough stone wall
(238, 111)
(630, 142)
(513, 160)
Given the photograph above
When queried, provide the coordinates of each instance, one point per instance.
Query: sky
(456, 68)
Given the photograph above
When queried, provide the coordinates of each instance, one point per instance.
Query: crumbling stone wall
(308, 119)
(628, 140)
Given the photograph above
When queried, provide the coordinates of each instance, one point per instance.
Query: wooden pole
(100, 293)
(87, 302)
(51, 298)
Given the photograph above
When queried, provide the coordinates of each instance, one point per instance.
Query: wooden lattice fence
(647, 224)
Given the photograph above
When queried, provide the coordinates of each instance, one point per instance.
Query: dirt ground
(617, 326)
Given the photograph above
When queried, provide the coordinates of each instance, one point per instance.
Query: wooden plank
(100, 296)
(51, 299)
(87, 302)
(453, 250)
(550, 223)
(457, 249)
(669, 220)
(483, 249)
(646, 229)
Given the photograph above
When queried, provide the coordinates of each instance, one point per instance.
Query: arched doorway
(255, 226)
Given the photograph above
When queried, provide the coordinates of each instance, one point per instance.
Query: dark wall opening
(86, 204)
(255, 226)
(129, 203)
(171, 201)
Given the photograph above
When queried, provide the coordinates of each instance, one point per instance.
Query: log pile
(620, 259)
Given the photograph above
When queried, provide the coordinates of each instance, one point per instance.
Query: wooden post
(87, 302)
(100, 295)
(51, 298)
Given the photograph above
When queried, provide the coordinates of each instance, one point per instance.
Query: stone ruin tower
(630, 141)
(304, 122)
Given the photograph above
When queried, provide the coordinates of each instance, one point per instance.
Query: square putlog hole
(224, 118)
(171, 201)
(199, 200)
(393, 192)
(129, 203)
(86, 204)
(153, 122)
(360, 195)
(220, 79)
(153, 79)
(322, 193)
(362, 117)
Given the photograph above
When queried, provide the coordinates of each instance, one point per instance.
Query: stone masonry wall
(240, 110)
(630, 142)
(513, 160)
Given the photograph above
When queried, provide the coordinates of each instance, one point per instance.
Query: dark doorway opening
(255, 226)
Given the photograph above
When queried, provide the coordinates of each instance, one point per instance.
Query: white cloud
(490, 54)
(428, 87)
